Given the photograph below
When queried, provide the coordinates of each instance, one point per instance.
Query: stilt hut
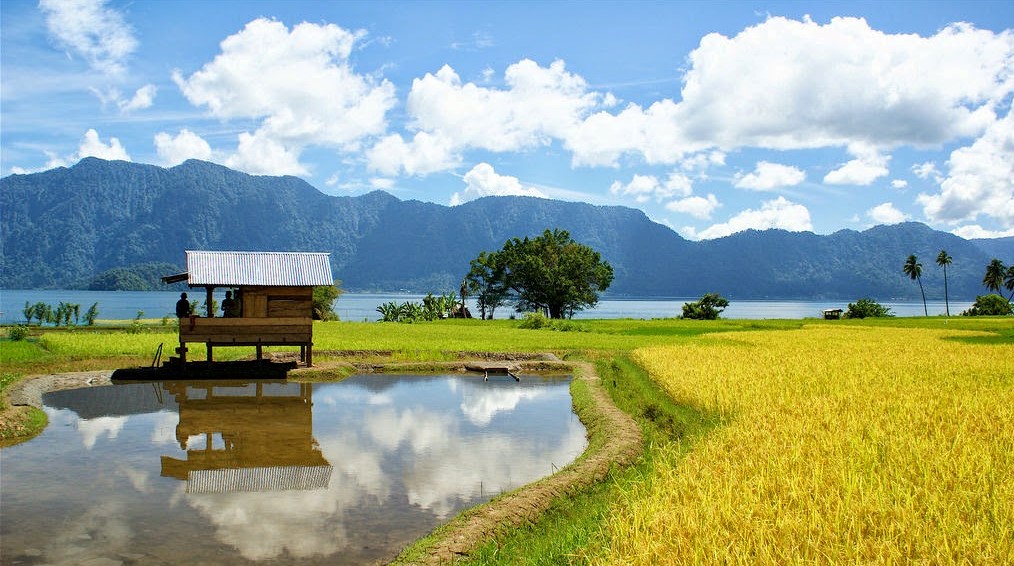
(274, 292)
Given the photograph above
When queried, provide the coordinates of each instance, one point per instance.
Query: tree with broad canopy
(552, 274)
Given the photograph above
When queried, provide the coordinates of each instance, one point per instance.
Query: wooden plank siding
(260, 302)
(281, 331)
(278, 331)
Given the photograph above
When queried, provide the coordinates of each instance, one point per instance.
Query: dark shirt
(182, 308)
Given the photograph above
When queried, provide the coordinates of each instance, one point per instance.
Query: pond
(266, 472)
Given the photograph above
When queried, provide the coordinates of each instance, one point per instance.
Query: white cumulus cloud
(185, 145)
(91, 29)
(259, 154)
(93, 146)
(980, 180)
(779, 213)
(424, 154)
(143, 98)
(800, 84)
(647, 187)
(696, 206)
(538, 105)
(787, 84)
(298, 83)
(885, 213)
(484, 181)
(971, 231)
(868, 166)
(768, 176)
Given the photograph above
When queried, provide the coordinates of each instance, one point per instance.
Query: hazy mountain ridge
(63, 227)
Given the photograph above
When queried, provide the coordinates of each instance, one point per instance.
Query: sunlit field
(867, 441)
(838, 444)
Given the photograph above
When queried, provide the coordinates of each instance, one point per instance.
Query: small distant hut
(832, 314)
(274, 292)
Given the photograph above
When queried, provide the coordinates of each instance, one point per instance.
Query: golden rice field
(839, 445)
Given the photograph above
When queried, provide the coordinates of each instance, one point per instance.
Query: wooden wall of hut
(275, 302)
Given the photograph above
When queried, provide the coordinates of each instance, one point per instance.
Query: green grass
(22, 351)
(18, 426)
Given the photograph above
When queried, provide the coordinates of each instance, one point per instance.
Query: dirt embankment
(29, 390)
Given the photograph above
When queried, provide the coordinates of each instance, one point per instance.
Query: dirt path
(614, 440)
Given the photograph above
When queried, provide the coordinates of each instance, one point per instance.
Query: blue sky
(711, 117)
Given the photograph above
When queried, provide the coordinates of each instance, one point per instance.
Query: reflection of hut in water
(246, 437)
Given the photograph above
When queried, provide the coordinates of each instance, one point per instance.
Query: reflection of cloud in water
(92, 429)
(164, 428)
(480, 405)
(100, 532)
(446, 480)
(264, 525)
(139, 479)
(447, 470)
(423, 430)
(337, 396)
(89, 429)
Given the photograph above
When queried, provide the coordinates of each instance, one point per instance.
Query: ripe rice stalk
(840, 444)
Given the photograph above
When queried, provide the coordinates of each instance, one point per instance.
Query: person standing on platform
(182, 306)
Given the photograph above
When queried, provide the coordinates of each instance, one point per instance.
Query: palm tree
(1008, 281)
(914, 270)
(943, 260)
(995, 272)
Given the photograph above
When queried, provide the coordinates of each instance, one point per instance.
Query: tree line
(998, 276)
(63, 312)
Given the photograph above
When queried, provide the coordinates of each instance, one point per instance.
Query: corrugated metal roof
(259, 479)
(259, 268)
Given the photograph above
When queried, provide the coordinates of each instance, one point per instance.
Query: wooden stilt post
(207, 303)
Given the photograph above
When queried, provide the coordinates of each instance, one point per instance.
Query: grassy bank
(766, 441)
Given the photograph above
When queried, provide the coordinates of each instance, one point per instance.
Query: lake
(274, 472)
(124, 305)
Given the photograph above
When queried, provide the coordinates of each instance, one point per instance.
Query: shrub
(538, 320)
(866, 308)
(324, 297)
(534, 321)
(92, 314)
(990, 305)
(18, 332)
(708, 308)
(389, 312)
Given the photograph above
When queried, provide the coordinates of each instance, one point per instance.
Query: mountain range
(115, 224)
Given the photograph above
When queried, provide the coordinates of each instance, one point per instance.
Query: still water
(273, 472)
(356, 307)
